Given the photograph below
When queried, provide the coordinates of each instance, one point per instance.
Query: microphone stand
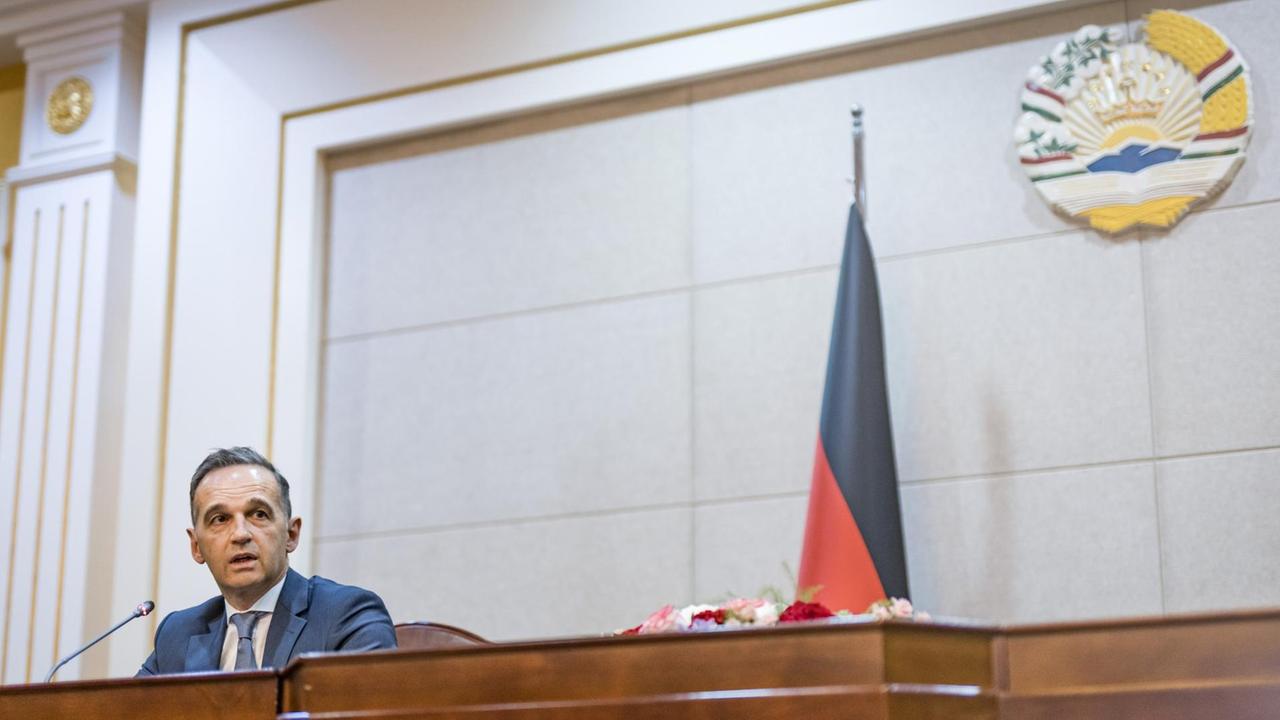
(140, 611)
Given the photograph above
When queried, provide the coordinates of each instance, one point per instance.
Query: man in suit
(243, 528)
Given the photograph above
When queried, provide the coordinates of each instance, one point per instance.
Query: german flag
(853, 535)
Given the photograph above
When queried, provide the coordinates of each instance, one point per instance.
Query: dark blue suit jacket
(315, 615)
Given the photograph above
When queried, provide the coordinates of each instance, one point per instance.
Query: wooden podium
(201, 696)
(1218, 666)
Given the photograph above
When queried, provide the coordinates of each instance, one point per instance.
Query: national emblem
(1134, 134)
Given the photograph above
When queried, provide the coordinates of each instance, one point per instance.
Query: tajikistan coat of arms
(1125, 134)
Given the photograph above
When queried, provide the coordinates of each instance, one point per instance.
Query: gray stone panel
(1213, 289)
(1035, 547)
(556, 412)
(1220, 536)
(760, 356)
(744, 546)
(1016, 356)
(578, 576)
(770, 165)
(586, 212)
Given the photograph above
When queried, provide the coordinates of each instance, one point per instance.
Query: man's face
(241, 532)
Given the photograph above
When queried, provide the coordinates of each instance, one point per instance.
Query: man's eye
(217, 519)
(261, 514)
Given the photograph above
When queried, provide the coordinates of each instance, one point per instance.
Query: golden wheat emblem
(1124, 134)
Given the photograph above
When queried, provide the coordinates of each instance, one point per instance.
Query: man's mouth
(243, 559)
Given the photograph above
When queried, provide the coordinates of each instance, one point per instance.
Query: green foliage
(1061, 67)
(1055, 146)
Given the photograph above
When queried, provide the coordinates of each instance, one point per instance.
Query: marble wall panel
(760, 357)
(1016, 356)
(575, 576)
(1218, 530)
(1036, 547)
(769, 165)
(743, 547)
(586, 212)
(1214, 307)
(548, 413)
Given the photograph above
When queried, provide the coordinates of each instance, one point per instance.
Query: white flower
(880, 612)
(767, 614)
(1036, 74)
(901, 608)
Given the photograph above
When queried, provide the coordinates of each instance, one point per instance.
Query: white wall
(68, 252)
(58, 433)
(581, 367)
(237, 109)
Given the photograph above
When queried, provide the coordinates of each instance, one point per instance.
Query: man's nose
(240, 531)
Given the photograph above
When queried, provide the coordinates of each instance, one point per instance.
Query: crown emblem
(1129, 88)
(1129, 110)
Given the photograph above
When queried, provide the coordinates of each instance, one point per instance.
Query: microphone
(142, 610)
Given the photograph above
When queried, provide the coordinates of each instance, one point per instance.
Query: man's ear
(295, 527)
(195, 547)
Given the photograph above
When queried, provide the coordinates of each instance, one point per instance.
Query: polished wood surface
(864, 658)
(1223, 665)
(1247, 700)
(201, 696)
(1175, 668)
(807, 703)
(1189, 648)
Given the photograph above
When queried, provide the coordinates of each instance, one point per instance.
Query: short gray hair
(240, 455)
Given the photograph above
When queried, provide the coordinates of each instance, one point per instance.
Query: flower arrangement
(900, 608)
(760, 612)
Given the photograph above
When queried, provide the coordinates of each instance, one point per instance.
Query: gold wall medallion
(69, 105)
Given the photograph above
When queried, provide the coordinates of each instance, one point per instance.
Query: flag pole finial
(859, 177)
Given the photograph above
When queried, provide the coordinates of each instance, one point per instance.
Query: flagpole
(859, 178)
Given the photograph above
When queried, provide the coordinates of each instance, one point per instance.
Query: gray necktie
(245, 623)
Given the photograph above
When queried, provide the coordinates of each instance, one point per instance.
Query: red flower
(631, 631)
(716, 616)
(800, 610)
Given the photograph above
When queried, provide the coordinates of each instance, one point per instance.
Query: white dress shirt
(265, 604)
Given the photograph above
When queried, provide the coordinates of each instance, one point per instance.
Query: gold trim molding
(566, 58)
(196, 26)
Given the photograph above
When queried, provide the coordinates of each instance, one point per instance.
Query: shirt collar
(266, 603)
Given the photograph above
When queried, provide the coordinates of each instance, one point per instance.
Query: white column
(65, 327)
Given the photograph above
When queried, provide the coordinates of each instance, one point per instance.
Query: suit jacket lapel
(287, 620)
(204, 652)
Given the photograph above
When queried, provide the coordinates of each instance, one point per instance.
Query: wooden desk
(866, 670)
(1225, 665)
(203, 696)
(1176, 668)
